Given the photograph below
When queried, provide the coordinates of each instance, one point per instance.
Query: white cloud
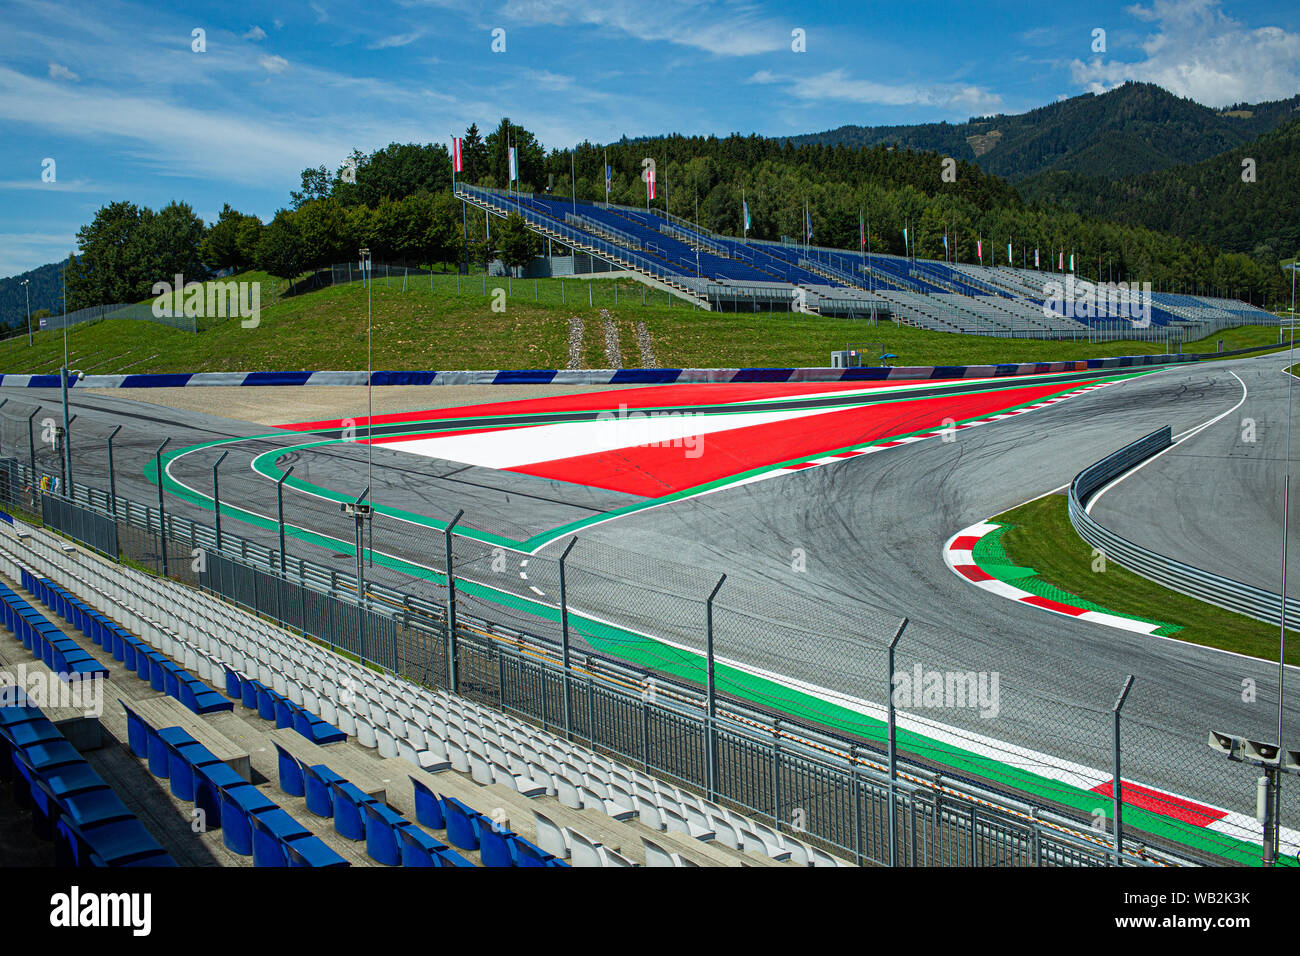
(170, 138)
(724, 27)
(1200, 52)
(60, 72)
(396, 40)
(255, 33)
(273, 64)
(321, 15)
(838, 85)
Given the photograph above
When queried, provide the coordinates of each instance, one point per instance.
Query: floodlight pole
(564, 639)
(26, 285)
(216, 499)
(162, 518)
(31, 444)
(67, 432)
(452, 677)
(711, 770)
(1116, 788)
(370, 374)
(358, 518)
(279, 505)
(112, 475)
(893, 749)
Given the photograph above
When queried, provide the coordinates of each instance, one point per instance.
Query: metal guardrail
(1227, 593)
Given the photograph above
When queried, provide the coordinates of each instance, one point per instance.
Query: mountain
(1136, 128)
(1207, 201)
(46, 290)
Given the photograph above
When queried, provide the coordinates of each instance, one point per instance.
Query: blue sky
(113, 92)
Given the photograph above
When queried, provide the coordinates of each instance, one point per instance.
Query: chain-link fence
(641, 700)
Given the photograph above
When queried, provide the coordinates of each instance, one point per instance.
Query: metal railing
(504, 203)
(825, 790)
(1233, 595)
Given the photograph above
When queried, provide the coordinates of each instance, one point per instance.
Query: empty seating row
(162, 674)
(250, 823)
(89, 823)
(390, 838)
(271, 705)
(43, 638)
(430, 729)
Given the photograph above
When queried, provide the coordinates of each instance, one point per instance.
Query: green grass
(1044, 539)
(432, 325)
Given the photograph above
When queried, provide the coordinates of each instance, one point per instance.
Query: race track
(822, 563)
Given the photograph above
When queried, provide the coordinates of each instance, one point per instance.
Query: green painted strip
(654, 654)
(991, 558)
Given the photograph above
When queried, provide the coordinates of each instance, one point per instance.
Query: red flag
(979, 249)
(458, 161)
(1061, 266)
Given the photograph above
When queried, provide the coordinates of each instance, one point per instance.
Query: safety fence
(1236, 596)
(821, 787)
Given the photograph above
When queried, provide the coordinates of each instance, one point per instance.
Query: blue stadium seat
(349, 820)
(239, 804)
(273, 830)
(382, 827)
(494, 845)
(420, 849)
(463, 824)
(291, 773)
(312, 852)
(428, 807)
(318, 781)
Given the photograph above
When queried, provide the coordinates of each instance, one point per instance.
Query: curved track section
(821, 564)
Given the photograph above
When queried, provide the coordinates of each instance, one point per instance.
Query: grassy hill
(420, 327)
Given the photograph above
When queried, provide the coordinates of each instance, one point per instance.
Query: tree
(442, 239)
(109, 268)
(322, 231)
(515, 243)
(474, 155)
(315, 185)
(532, 159)
(222, 247)
(172, 244)
(280, 251)
(403, 169)
(126, 249)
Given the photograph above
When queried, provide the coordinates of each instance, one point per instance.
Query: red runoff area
(656, 471)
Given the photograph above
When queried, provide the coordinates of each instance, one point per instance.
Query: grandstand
(279, 752)
(723, 273)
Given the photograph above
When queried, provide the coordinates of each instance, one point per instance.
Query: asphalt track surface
(868, 533)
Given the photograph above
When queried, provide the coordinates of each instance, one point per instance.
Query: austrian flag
(457, 159)
(650, 183)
